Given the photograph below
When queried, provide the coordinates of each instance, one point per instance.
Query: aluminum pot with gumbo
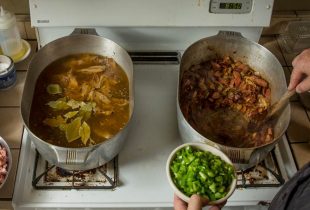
(225, 76)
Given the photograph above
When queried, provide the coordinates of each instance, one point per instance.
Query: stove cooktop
(141, 163)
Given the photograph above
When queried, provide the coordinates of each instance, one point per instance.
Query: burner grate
(47, 176)
(265, 174)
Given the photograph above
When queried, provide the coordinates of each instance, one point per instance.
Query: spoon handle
(281, 104)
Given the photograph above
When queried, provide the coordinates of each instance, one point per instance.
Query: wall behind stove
(16, 6)
(22, 6)
(291, 5)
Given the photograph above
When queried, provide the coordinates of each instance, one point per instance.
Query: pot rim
(229, 35)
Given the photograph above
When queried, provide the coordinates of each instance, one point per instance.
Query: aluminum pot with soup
(78, 101)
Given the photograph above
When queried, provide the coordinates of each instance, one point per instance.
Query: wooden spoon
(274, 112)
(277, 108)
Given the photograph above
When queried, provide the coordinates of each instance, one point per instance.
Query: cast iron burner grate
(47, 176)
(265, 174)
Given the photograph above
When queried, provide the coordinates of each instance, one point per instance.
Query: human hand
(195, 203)
(300, 77)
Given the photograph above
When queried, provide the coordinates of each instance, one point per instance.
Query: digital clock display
(230, 5)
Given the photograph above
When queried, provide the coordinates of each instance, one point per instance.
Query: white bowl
(9, 165)
(203, 147)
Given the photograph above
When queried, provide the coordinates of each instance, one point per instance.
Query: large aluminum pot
(86, 157)
(256, 56)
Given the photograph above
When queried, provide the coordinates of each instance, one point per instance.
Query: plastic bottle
(10, 41)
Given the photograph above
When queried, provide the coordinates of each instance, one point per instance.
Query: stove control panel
(178, 14)
(231, 6)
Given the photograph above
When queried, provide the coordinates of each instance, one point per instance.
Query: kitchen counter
(11, 127)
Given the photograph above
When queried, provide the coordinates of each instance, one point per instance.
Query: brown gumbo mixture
(214, 92)
(80, 100)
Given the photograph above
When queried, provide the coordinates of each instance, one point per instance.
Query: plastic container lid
(5, 63)
(7, 19)
(296, 36)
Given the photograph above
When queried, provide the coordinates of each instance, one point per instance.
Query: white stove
(142, 177)
(160, 31)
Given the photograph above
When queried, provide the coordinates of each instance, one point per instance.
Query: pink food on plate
(3, 163)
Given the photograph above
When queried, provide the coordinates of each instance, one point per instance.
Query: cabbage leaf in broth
(80, 100)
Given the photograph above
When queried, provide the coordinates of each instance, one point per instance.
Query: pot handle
(236, 155)
(91, 31)
(71, 156)
(230, 34)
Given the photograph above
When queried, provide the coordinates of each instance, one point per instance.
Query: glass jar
(10, 41)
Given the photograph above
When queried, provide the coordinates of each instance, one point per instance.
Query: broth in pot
(79, 101)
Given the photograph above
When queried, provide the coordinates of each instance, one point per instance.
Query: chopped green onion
(198, 172)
